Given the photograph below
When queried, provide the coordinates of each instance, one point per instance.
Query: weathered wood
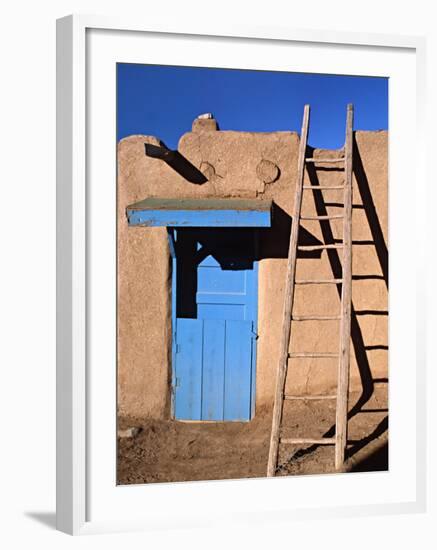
(318, 246)
(312, 354)
(331, 217)
(308, 441)
(312, 159)
(204, 212)
(316, 317)
(346, 298)
(319, 282)
(340, 438)
(288, 300)
(310, 397)
(323, 187)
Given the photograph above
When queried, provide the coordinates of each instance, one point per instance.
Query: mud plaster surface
(144, 269)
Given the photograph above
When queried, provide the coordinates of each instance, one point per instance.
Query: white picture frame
(79, 423)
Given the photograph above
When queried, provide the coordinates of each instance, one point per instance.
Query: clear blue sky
(163, 101)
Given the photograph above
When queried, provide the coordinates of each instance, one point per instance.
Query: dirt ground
(168, 451)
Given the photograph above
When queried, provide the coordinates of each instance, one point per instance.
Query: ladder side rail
(288, 301)
(346, 303)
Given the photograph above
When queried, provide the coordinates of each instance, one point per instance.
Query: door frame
(172, 237)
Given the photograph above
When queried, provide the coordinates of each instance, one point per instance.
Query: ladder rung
(318, 246)
(315, 317)
(312, 159)
(319, 281)
(305, 441)
(312, 354)
(310, 397)
(321, 187)
(332, 217)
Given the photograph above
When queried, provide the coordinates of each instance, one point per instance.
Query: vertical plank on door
(188, 382)
(213, 369)
(238, 370)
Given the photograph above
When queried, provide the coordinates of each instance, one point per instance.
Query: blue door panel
(238, 370)
(216, 279)
(224, 311)
(216, 311)
(213, 374)
(189, 361)
(235, 298)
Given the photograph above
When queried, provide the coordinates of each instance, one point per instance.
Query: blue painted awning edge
(200, 218)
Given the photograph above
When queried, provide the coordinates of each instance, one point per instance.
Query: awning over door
(210, 212)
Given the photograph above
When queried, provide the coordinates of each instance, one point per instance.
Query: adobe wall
(231, 162)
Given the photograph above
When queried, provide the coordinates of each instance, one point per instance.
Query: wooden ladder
(341, 397)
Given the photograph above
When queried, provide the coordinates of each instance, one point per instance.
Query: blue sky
(163, 101)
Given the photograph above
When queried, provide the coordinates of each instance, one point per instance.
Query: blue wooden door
(215, 325)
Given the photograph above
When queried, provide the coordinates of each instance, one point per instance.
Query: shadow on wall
(274, 241)
(234, 249)
(381, 428)
(176, 161)
(378, 241)
(376, 462)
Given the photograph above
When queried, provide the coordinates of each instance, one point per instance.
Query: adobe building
(202, 265)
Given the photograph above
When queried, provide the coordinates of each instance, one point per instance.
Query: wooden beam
(318, 246)
(308, 441)
(316, 317)
(319, 282)
(346, 300)
(310, 397)
(328, 217)
(323, 187)
(288, 300)
(312, 159)
(313, 354)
